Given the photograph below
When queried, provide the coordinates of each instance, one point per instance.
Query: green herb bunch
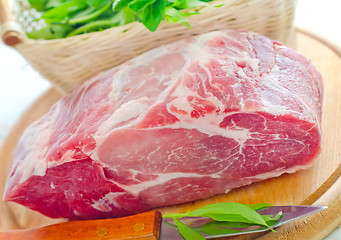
(65, 18)
(226, 218)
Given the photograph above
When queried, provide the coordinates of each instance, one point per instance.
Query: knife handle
(140, 226)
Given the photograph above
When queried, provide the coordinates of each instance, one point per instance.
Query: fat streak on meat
(182, 122)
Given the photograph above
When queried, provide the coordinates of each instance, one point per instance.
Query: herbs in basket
(65, 18)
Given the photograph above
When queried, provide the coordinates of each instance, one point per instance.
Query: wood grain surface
(302, 187)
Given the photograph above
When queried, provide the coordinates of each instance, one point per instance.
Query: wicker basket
(68, 62)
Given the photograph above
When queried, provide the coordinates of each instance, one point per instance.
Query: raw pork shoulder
(182, 122)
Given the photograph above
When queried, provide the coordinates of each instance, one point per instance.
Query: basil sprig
(226, 218)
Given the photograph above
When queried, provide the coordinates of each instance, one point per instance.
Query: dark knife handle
(140, 226)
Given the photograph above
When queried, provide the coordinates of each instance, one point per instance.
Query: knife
(147, 225)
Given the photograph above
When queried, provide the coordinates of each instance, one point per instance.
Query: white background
(20, 84)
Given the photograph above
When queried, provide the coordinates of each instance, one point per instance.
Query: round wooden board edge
(326, 42)
(337, 173)
(311, 199)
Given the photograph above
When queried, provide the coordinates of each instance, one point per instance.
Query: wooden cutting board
(303, 187)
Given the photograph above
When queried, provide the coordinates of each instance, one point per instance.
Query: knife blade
(147, 225)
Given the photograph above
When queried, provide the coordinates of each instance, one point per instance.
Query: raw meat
(179, 123)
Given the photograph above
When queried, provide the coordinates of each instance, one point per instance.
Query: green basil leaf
(38, 4)
(218, 228)
(270, 218)
(52, 31)
(219, 5)
(89, 16)
(177, 3)
(187, 14)
(124, 17)
(267, 218)
(120, 4)
(98, 25)
(259, 206)
(218, 210)
(138, 5)
(185, 4)
(173, 15)
(278, 216)
(187, 232)
(98, 3)
(153, 15)
(119, 19)
(55, 3)
(234, 218)
(62, 12)
(84, 13)
(271, 221)
(214, 228)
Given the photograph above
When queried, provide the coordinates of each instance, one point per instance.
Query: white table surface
(20, 85)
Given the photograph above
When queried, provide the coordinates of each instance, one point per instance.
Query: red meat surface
(182, 122)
